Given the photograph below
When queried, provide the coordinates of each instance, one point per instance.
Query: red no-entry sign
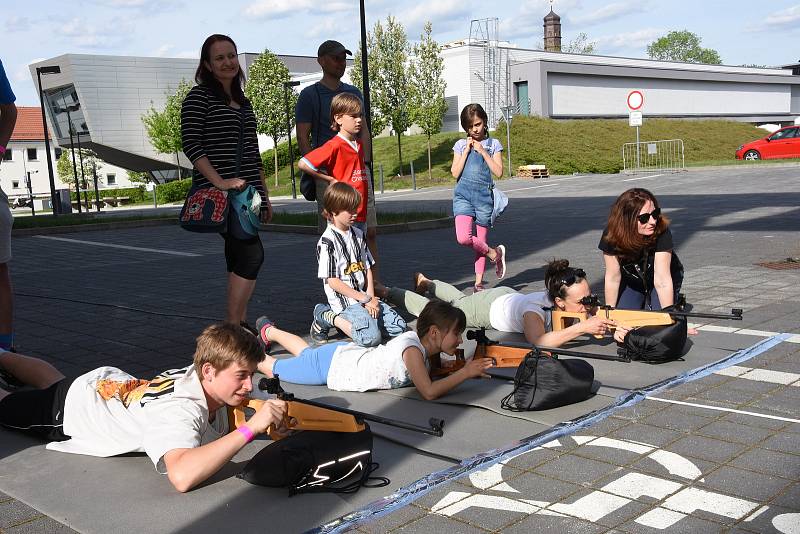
(635, 100)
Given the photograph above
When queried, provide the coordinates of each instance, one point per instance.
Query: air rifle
(633, 318)
(511, 354)
(303, 414)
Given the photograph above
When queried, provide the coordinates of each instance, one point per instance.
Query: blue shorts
(474, 199)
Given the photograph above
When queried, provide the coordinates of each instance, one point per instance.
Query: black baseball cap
(332, 48)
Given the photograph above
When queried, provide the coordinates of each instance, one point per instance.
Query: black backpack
(316, 461)
(543, 382)
(657, 343)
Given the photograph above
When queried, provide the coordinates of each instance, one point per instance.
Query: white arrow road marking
(492, 478)
(592, 507)
(635, 485)
(787, 523)
(493, 502)
(659, 518)
(690, 500)
(676, 464)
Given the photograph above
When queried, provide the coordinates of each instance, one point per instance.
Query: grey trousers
(475, 307)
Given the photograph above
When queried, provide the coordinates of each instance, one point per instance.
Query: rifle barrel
(563, 352)
(735, 315)
(435, 428)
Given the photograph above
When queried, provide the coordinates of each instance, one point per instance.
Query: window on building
(7, 154)
(111, 179)
(32, 154)
(14, 184)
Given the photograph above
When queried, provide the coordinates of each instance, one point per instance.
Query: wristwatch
(365, 300)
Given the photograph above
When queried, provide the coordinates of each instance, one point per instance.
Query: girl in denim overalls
(475, 159)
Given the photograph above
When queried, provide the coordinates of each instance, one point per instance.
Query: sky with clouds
(743, 32)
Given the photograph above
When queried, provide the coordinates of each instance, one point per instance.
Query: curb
(396, 228)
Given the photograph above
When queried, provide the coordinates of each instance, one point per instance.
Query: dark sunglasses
(644, 217)
(590, 301)
(569, 280)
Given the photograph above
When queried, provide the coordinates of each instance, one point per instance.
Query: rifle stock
(304, 414)
(637, 318)
(511, 354)
(299, 416)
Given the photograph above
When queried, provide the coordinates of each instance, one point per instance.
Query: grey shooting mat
(125, 494)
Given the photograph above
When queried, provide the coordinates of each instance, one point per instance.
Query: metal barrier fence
(653, 156)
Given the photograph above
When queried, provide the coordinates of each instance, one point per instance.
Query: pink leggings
(475, 242)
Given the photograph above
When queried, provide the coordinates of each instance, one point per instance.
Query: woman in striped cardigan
(212, 116)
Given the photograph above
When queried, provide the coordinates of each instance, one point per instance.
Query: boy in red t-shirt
(343, 155)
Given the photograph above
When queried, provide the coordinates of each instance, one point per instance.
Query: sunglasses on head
(569, 280)
(644, 217)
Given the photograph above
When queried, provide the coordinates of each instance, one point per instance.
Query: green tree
(580, 45)
(265, 90)
(427, 103)
(164, 127)
(378, 122)
(140, 177)
(387, 60)
(682, 46)
(86, 161)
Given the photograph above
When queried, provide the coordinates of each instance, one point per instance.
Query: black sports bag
(656, 344)
(316, 461)
(543, 382)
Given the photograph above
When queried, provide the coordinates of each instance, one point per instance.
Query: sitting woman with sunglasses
(642, 270)
(508, 310)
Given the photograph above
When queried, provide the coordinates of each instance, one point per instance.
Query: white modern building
(25, 162)
(104, 97)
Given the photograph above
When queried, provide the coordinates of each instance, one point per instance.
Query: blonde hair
(223, 344)
(339, 197)
(344, 104)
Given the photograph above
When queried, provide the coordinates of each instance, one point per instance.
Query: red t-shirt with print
(346, 164)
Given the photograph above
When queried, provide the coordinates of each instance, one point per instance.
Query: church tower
(552, 32)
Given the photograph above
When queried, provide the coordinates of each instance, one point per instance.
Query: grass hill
(566, 147)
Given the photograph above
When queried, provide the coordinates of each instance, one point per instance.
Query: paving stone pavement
(81, 305)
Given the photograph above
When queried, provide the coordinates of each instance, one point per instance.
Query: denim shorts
(474, 199)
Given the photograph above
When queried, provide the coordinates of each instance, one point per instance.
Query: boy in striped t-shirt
(345, 266)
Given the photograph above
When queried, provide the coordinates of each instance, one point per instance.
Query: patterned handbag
(206, 208)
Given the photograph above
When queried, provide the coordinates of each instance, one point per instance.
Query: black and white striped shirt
(210, 128)
(343, 255)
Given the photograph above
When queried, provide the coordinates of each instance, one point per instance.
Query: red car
(784, 143)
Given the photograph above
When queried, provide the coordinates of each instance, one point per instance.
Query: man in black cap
(313, 116)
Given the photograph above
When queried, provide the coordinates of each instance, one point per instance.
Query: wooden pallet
(532, 171)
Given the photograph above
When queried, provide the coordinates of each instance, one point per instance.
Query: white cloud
(276, 9)
(105, 36)
(327, 26)
(637, 40)
(16, 23)
(443, 15)
(615, 11)
(788, 18)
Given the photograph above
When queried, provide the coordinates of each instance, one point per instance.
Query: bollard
(413, 178)
(155, 202)
(380, 167)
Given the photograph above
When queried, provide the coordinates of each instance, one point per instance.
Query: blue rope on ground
(421, 487)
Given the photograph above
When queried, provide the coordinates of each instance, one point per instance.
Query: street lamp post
(286, 86)
(365, 83)
(55, 201)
